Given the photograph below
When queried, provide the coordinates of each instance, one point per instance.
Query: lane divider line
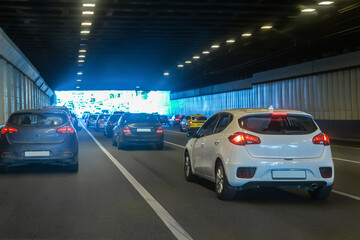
(345, 160)
(174, 131)
(174, 144)
(167, 219)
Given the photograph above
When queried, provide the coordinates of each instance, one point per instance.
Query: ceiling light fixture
(88, 5)
(326, 3)
(81, 56)
(82, 50)
(308, 10)
(230, 41)
(188, 62)
(79, 73)
(166, 74)
(246, 35)
(86, 23)
(215, 46)
(266, 27)
(196, 57)
(180, 65)
(205, 52)
(85, 32)
(77, 87)
(81, 61)
(88, 12)
(82, 44)
(79, 80)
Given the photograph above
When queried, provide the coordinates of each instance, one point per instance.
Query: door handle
(217, 142)
(202, 145)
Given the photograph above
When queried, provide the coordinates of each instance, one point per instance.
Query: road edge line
(174, 144)
(346, 195)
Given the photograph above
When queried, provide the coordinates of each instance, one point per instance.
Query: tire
(320, 193)
(73, 167)
(222, 188)
(160, 146)
(114, 143)
(120, 145)
(189, 175)
(181, 129)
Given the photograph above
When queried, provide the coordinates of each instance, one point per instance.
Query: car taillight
(65, 130)
(279, 114)
(126, 129)
(191, 121)
(8, 130)
(160, 130)
(326, 172)
(246, 172)
(321, 139)
(243, 139)
(111, 124)
(99, 121)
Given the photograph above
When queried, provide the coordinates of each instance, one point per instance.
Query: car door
(185, 123)
(214, 142)
(204, 132)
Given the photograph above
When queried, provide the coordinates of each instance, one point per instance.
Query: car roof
(197, 115)
(245, 111)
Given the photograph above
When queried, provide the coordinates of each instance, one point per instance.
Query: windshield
(41, 119)
(140, 118)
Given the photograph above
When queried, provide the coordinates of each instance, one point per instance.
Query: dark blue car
(39, 137)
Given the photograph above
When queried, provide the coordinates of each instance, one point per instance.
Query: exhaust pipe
(314, 186)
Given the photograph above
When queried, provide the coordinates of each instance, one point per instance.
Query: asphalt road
(153, 201)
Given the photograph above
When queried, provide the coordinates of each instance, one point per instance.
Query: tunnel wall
(332, 97)
(21, 86)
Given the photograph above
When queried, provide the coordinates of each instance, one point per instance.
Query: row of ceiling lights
(87, 12)
(246, 35)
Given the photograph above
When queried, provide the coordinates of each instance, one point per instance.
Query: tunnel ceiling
(133, 43)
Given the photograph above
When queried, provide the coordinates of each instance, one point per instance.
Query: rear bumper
(143, 139)
(56, 160)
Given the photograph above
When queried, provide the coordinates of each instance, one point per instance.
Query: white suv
(251, 148)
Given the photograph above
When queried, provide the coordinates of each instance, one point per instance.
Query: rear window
(199, 118)
(93, 116)
(41, 120)
(140, 118)
(104, 116)
(284, 125)
(114, 118)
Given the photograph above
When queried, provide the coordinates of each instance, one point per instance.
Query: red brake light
(65, 130)
(279, 114)
(176, 119)
(111, 124)
(160, 130)
(244, 139)
(8, 130)
(99, 121)
(321, 139)
(126, 129)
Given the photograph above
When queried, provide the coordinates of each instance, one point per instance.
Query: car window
(208, 127)
(224, 121)
(199, 118)
(273, 124)
(187, 118)
(139, 118)
(41, 120)
(114, 118)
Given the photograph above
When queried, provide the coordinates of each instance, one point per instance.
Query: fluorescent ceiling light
(196, 57)
(215, 46)
(326, 3)
(86, 24)
(77, 87)
(246, 34)
(82, 50)
(308, 10)
(230, 41)
(88, 5)
(266, 27)
(205, 52)
(81, 56)
(79, 73)
(166, 74)
(79, 80)
(85, 32)
(180, 65)
(81, 61)
(82, 44)
(88, 12)
(187, 62)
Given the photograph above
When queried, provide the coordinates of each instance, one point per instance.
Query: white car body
(280, 160)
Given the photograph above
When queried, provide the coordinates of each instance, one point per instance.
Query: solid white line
(174, 131)
(346, 195)
(177, 145)
(168, 220)
(345, 160)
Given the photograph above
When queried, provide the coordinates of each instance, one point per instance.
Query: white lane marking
(177, 145)
(339, 146)
(346, 195)
(345, 160)
(174, 131)
(168, 220)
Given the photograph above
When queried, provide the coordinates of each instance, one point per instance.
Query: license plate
(143, 130)
(289, 174)
(37, 154)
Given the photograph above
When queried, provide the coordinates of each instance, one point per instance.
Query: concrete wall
(21, 86)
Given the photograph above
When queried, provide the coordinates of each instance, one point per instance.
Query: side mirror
(191, 135)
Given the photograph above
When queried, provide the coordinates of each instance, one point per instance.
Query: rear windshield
(104, 116)
(93, 116)
(199, 118)
(114, 118)
(285, 125)
(41, 119)
(140, 118)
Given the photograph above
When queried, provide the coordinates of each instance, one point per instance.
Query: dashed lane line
(175, 132)
(174, 144)
(167, 219)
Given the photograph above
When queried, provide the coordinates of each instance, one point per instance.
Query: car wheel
(120, 145)
(160, 146)
(181, 129)
(114, 143)
(189, 175)
(73, 167)
(222, 187)
(320, 193)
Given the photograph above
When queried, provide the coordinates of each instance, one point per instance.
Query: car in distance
(163, 119)
(251, 148)
(192, 123)
(175, 120)
(110, 124)
(85, 114)
(91, 120)
(138, 129)
(39, 137)
(101, 121)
